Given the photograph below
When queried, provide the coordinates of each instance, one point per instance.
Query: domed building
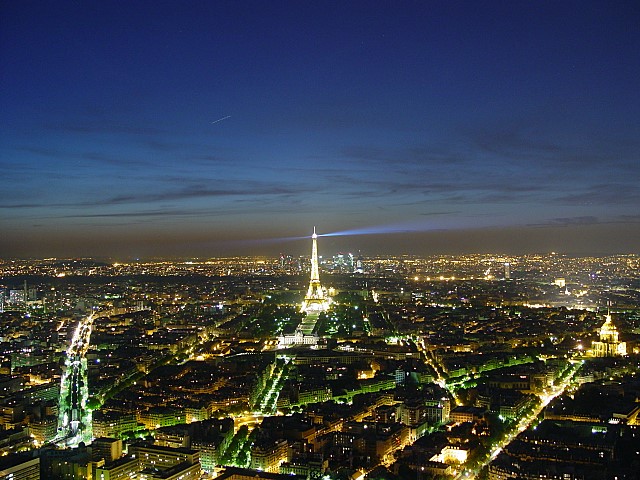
(609, 344)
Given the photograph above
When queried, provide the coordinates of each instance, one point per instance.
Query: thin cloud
(141, 213)
(418, 156)
(629, 218)
(100, 127)
(515, 144)
(194, 191)
(581, 220)
(89, 155)
(199, 192)
(603, 194)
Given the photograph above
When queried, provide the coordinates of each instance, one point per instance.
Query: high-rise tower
(316, 299)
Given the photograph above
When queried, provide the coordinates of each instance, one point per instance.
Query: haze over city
(214, 128)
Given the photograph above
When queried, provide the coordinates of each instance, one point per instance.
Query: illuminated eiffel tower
(316, 299)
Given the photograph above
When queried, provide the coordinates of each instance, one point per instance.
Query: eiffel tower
(316, 299)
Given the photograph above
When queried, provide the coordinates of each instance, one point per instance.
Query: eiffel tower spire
(315, 273)
(316, 299)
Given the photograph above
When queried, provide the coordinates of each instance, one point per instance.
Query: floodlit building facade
(609, 344)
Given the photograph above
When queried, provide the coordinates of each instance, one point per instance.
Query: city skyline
(475, 366)
(211, 129)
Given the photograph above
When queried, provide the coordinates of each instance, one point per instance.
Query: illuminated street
(524, 422)
(74, 424)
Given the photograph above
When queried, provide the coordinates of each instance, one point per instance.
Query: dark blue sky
(131, 128)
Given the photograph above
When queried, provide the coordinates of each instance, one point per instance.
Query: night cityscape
(282, 240)
(381, 367)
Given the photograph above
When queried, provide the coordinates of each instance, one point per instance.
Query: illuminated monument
(316, 300)
(609, 344)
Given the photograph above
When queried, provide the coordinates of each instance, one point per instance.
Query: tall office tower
(359, 265)
(316, 299)
(507, 271)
